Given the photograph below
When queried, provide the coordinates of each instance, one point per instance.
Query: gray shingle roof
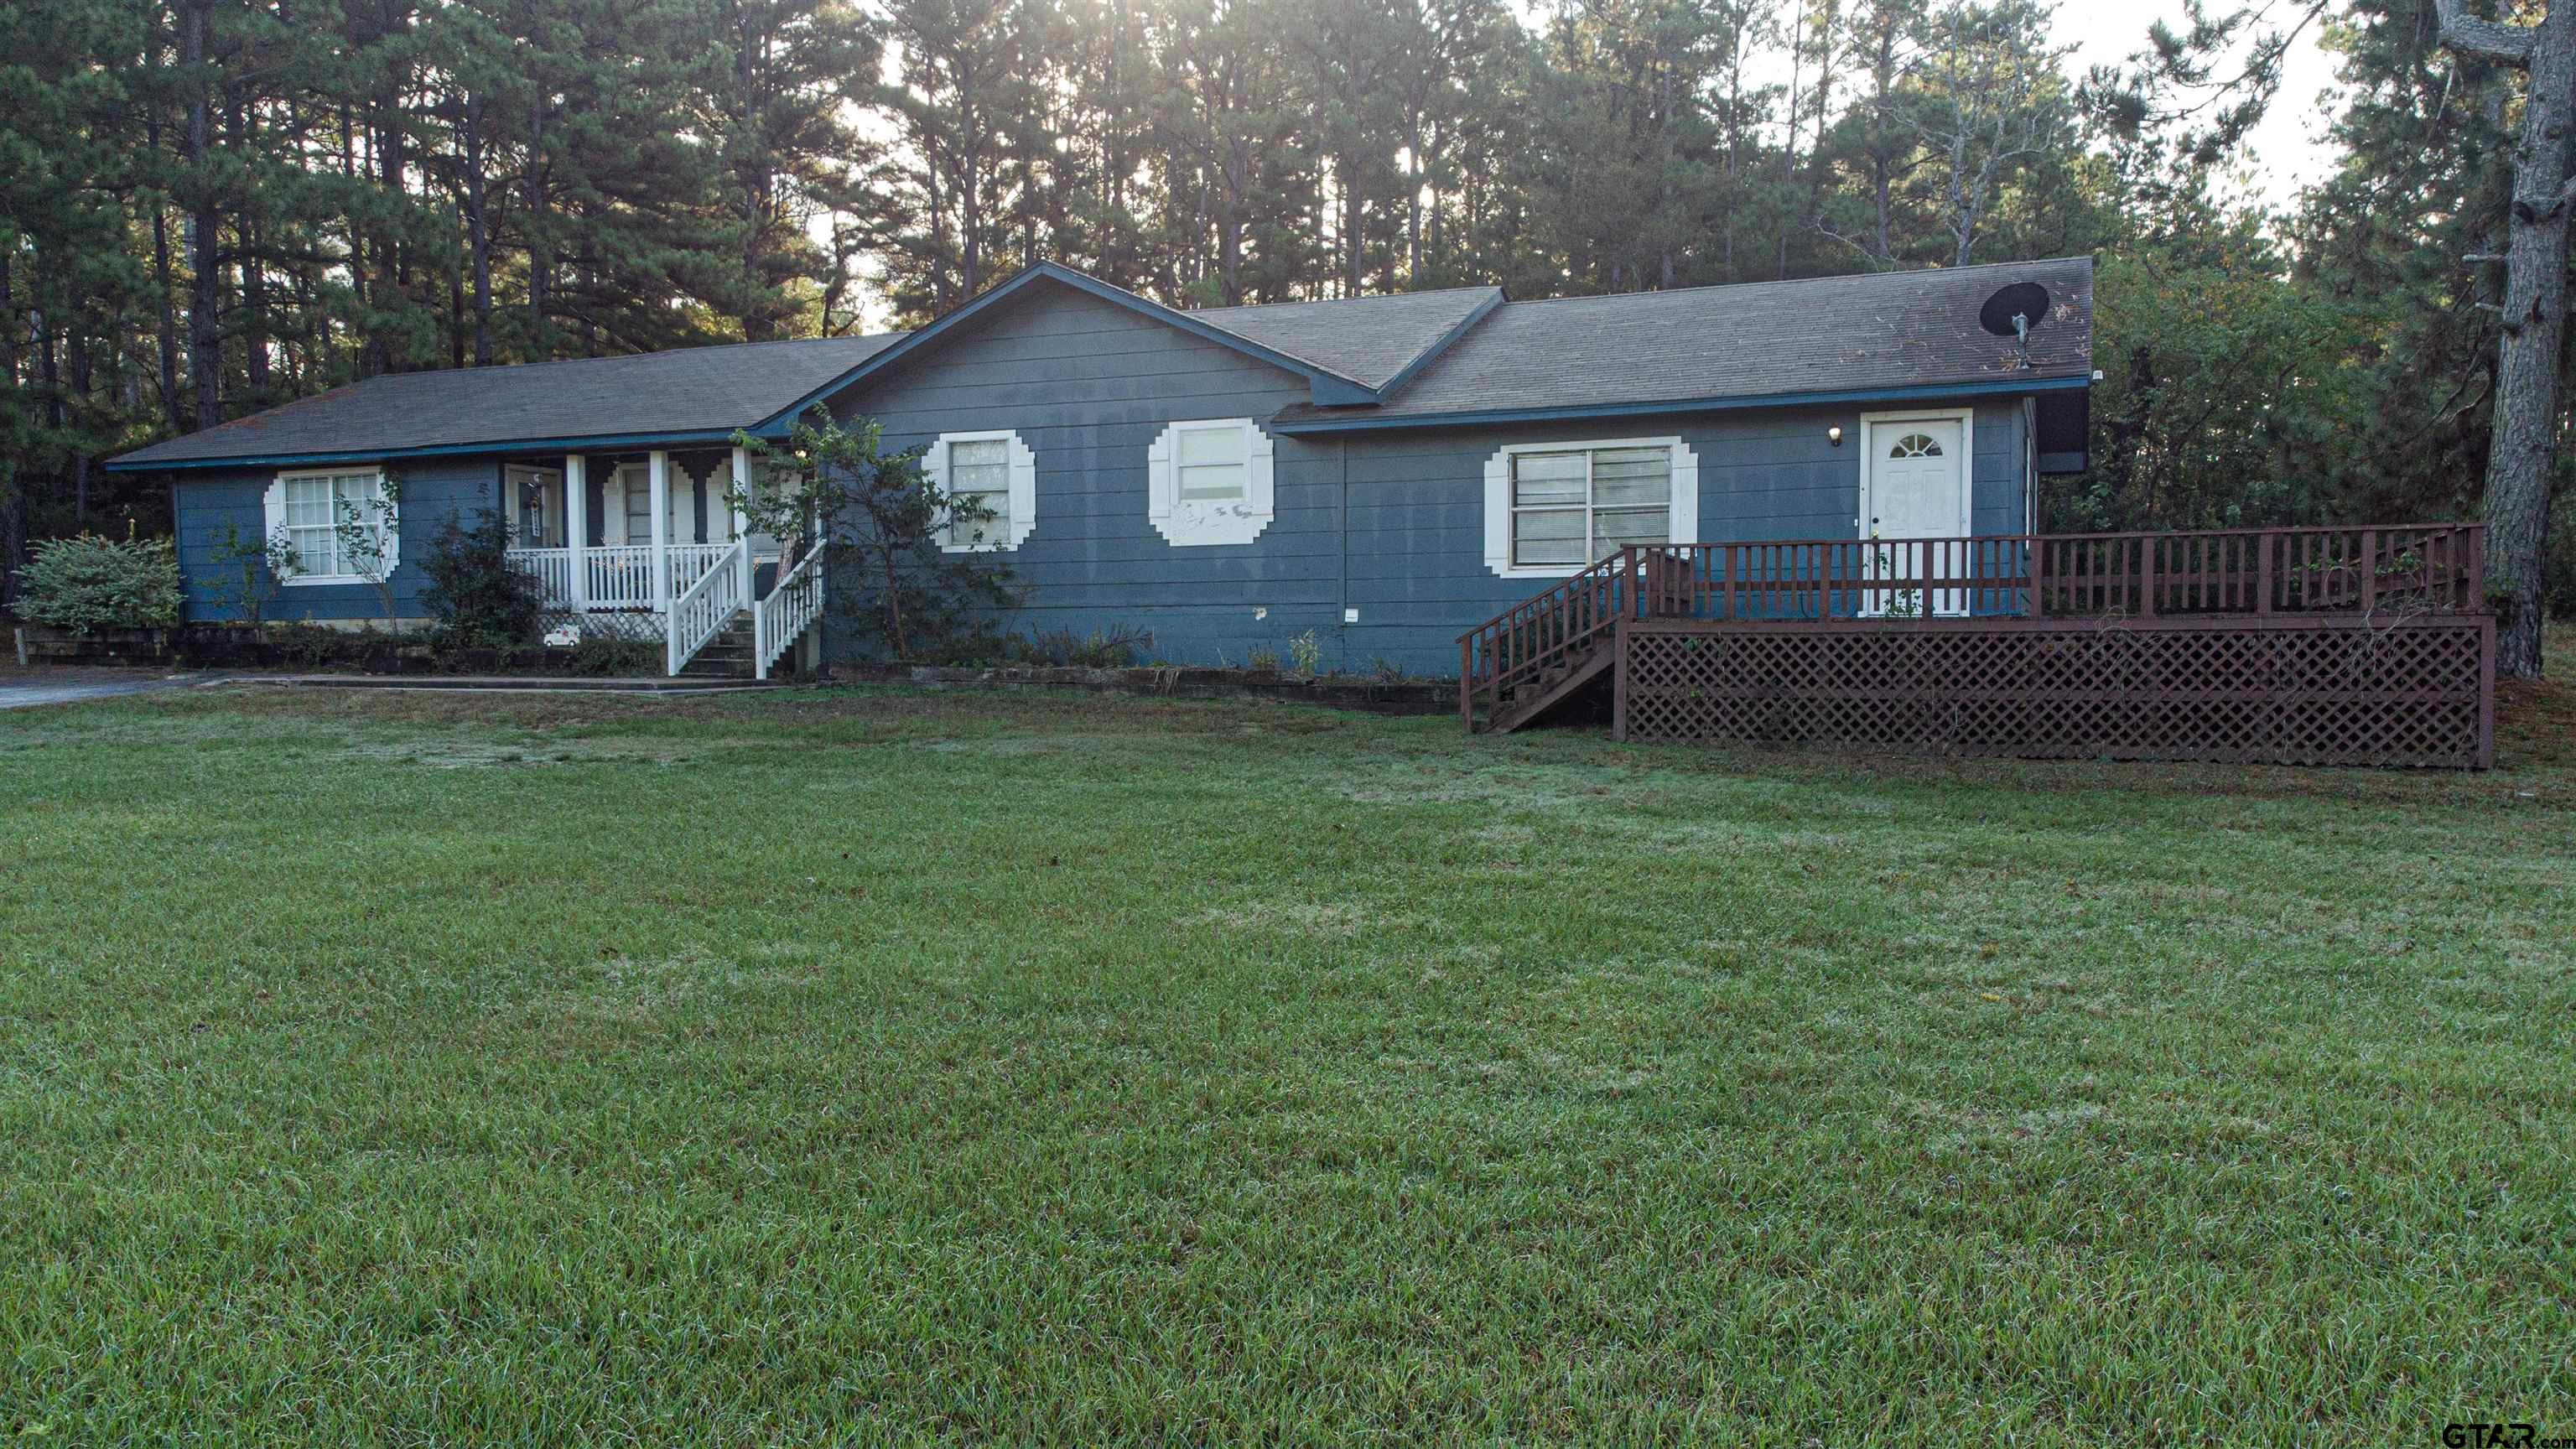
(1696, 345)
(699, 389)
(1764, 339)
(1366, 339)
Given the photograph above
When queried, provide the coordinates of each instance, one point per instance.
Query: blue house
(1388, 472)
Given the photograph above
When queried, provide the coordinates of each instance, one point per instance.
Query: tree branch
(2490, 39)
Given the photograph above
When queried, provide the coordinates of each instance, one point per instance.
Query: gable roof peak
(1345, 362)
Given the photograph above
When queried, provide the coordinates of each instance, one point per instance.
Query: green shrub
(600, 656)
(477, 598)
(1113, 649)
(1263, 658)
(311, 646)
(89, 582)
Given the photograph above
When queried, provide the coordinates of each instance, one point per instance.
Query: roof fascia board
(1328, 388)
(1927, 393)
(443, 450)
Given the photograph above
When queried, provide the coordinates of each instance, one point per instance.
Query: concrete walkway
(519, 683)
(26, 691)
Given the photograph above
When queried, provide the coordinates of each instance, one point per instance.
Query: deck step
(1554, 685)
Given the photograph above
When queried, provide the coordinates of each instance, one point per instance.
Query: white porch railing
(690, 561)
(791, 608)
(706, 607)
(619, 576)
(551, 568)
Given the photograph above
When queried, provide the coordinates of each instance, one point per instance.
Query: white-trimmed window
(994, 473)
(1211, 481)
(338, 523)
(1553, 509)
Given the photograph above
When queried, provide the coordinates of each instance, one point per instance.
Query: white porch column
(741, 520)
(577, 529)
(657, 473)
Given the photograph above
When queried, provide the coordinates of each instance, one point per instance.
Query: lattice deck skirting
(639, 625)
(2306, 690)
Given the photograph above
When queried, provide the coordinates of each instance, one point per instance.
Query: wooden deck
(2369, 645)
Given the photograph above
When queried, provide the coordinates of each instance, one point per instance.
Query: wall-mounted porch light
(1834, 435)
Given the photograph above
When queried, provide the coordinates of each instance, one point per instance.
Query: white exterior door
(1916, 487)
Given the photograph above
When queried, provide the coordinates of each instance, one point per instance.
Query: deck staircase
(1518, 704)
(1539, 653)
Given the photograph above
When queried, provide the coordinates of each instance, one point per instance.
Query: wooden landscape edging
(2303, 690)
(1333, 691)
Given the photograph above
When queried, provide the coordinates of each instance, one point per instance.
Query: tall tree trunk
(254, 278)
(82, 378)
(1237, 176)
(13, 507)
(1789, 146)
(478, 230)
(166, 340)
(456, 270)
(758, 182)
(2522, 455)
(1413, 196)
(1353, 201)
(1817, 170)
(1665, 146)
(1882, 159)
(205, 305)
(541, 260)
(392, 268)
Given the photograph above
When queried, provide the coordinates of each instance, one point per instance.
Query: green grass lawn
(865, 1066)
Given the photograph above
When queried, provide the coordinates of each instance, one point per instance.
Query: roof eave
(1370, 422)
(130, 463)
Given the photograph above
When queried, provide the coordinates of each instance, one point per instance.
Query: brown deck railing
(2382, 568)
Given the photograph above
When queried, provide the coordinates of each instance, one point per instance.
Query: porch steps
(726, 656)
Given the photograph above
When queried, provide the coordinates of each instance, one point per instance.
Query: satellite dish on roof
(2015, 312)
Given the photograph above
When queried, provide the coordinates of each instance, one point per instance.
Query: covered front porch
(653, 544)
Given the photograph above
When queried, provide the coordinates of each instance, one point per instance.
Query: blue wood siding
(1391, 524)
(1088, 386)
(432, 493)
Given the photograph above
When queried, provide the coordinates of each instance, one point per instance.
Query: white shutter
(1024, 491)
(1161, 489)
(392, 517)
